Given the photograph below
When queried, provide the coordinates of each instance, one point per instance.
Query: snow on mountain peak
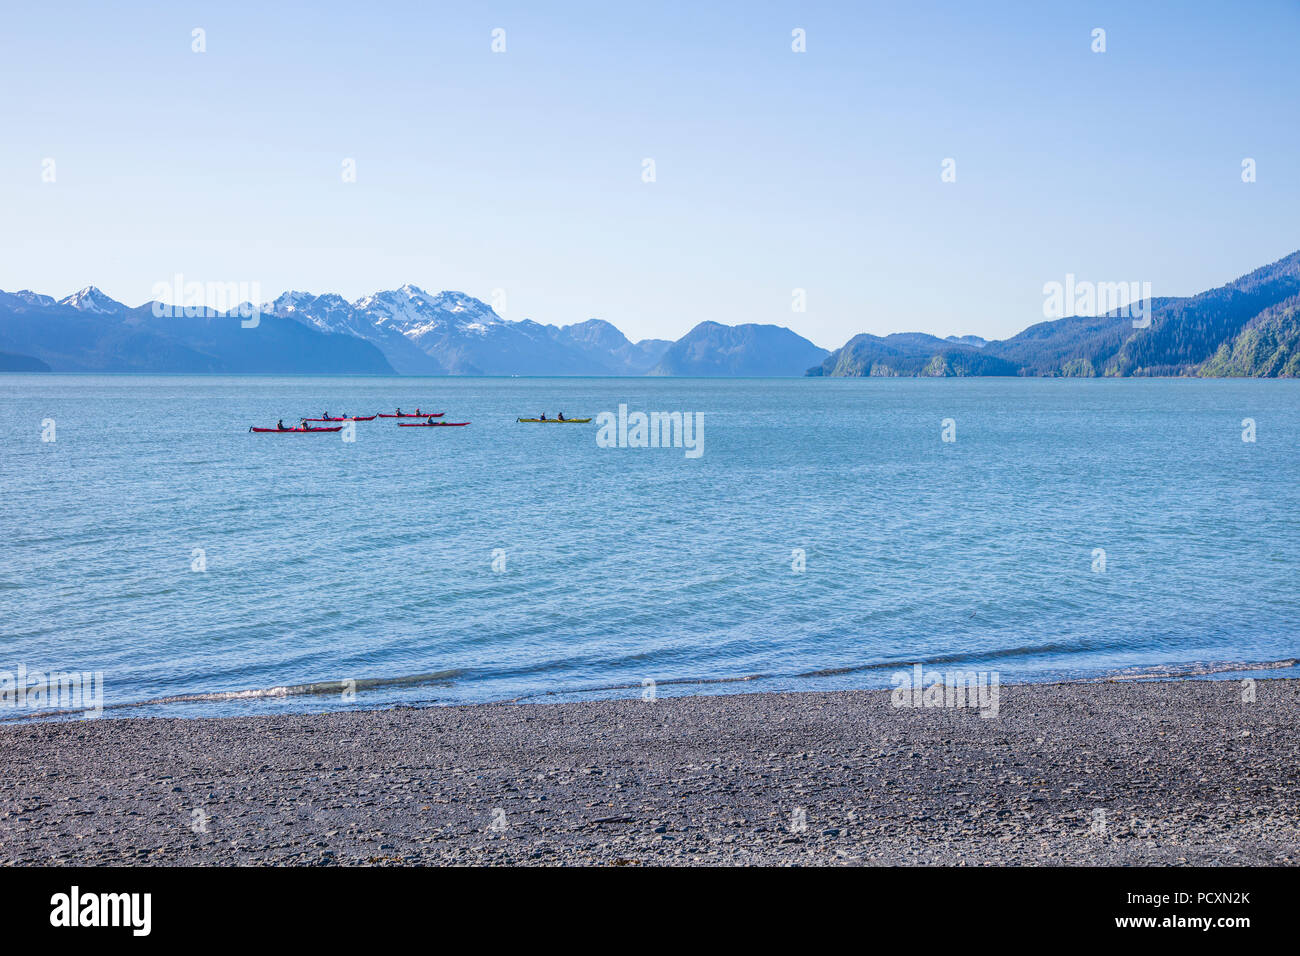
(90, 299)
(329, 312)
(34, 298)
(413, 312)
(290, 301)
(407, 310)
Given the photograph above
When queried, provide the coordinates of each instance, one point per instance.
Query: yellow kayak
(556, 421)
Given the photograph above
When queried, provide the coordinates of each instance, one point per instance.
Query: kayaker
(561, 416)
(280, 425)
(429, 420)
(543, 418)
(399, 409)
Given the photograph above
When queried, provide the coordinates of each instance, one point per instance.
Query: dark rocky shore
(1137, 773)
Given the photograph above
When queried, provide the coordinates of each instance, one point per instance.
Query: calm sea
(827, 536)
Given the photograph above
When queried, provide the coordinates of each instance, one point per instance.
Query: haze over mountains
(1248, 327)
(89, 332)
(406, 331)
(712, 349)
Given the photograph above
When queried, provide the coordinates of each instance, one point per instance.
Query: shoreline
(1208, 671)
(1161, 772)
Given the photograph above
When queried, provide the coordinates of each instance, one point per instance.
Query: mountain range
(404, 331)
(1248, 327)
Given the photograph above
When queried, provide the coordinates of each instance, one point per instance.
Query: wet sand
(1180, 772)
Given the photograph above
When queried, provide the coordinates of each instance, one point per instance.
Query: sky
(519, 176)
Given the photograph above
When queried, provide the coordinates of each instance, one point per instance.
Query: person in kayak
(399, 409)
(280, 425)
(561, 416)
(543, 418)
(429, 420)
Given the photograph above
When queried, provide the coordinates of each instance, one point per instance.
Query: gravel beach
(1180, 772)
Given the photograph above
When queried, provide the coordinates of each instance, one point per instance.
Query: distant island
(1248, 327)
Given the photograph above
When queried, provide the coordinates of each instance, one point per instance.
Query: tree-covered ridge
(1241, 328)
(1268, 347)
(910, 354)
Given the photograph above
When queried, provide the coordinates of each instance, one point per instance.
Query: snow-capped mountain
(334, 315)
(91, 299)
(452, 333)
(89, 332)
(416, 313)
(29, 297)
(329, 312)
(405, 330)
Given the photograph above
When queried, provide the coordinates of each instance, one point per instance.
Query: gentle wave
(316, 688)
(1171, 671)
(633, 686)
(1194, 669)
(444, 678)
(955, 658)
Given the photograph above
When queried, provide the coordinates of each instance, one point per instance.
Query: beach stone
(1183, 772)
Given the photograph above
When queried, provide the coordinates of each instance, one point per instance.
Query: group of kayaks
(308, 425)
(305, 426)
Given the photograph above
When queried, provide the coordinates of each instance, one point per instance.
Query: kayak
(282, 431)
(414, 415)
(431, 424)
(555, 421)
(354, 418)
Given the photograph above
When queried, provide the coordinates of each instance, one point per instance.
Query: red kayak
(414, 415)
(353, 418)
(283, 431)
(431, 424)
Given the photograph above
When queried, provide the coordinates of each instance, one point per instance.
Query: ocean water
(507, 561)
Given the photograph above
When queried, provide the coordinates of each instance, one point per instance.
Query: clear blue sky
(775, 170)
